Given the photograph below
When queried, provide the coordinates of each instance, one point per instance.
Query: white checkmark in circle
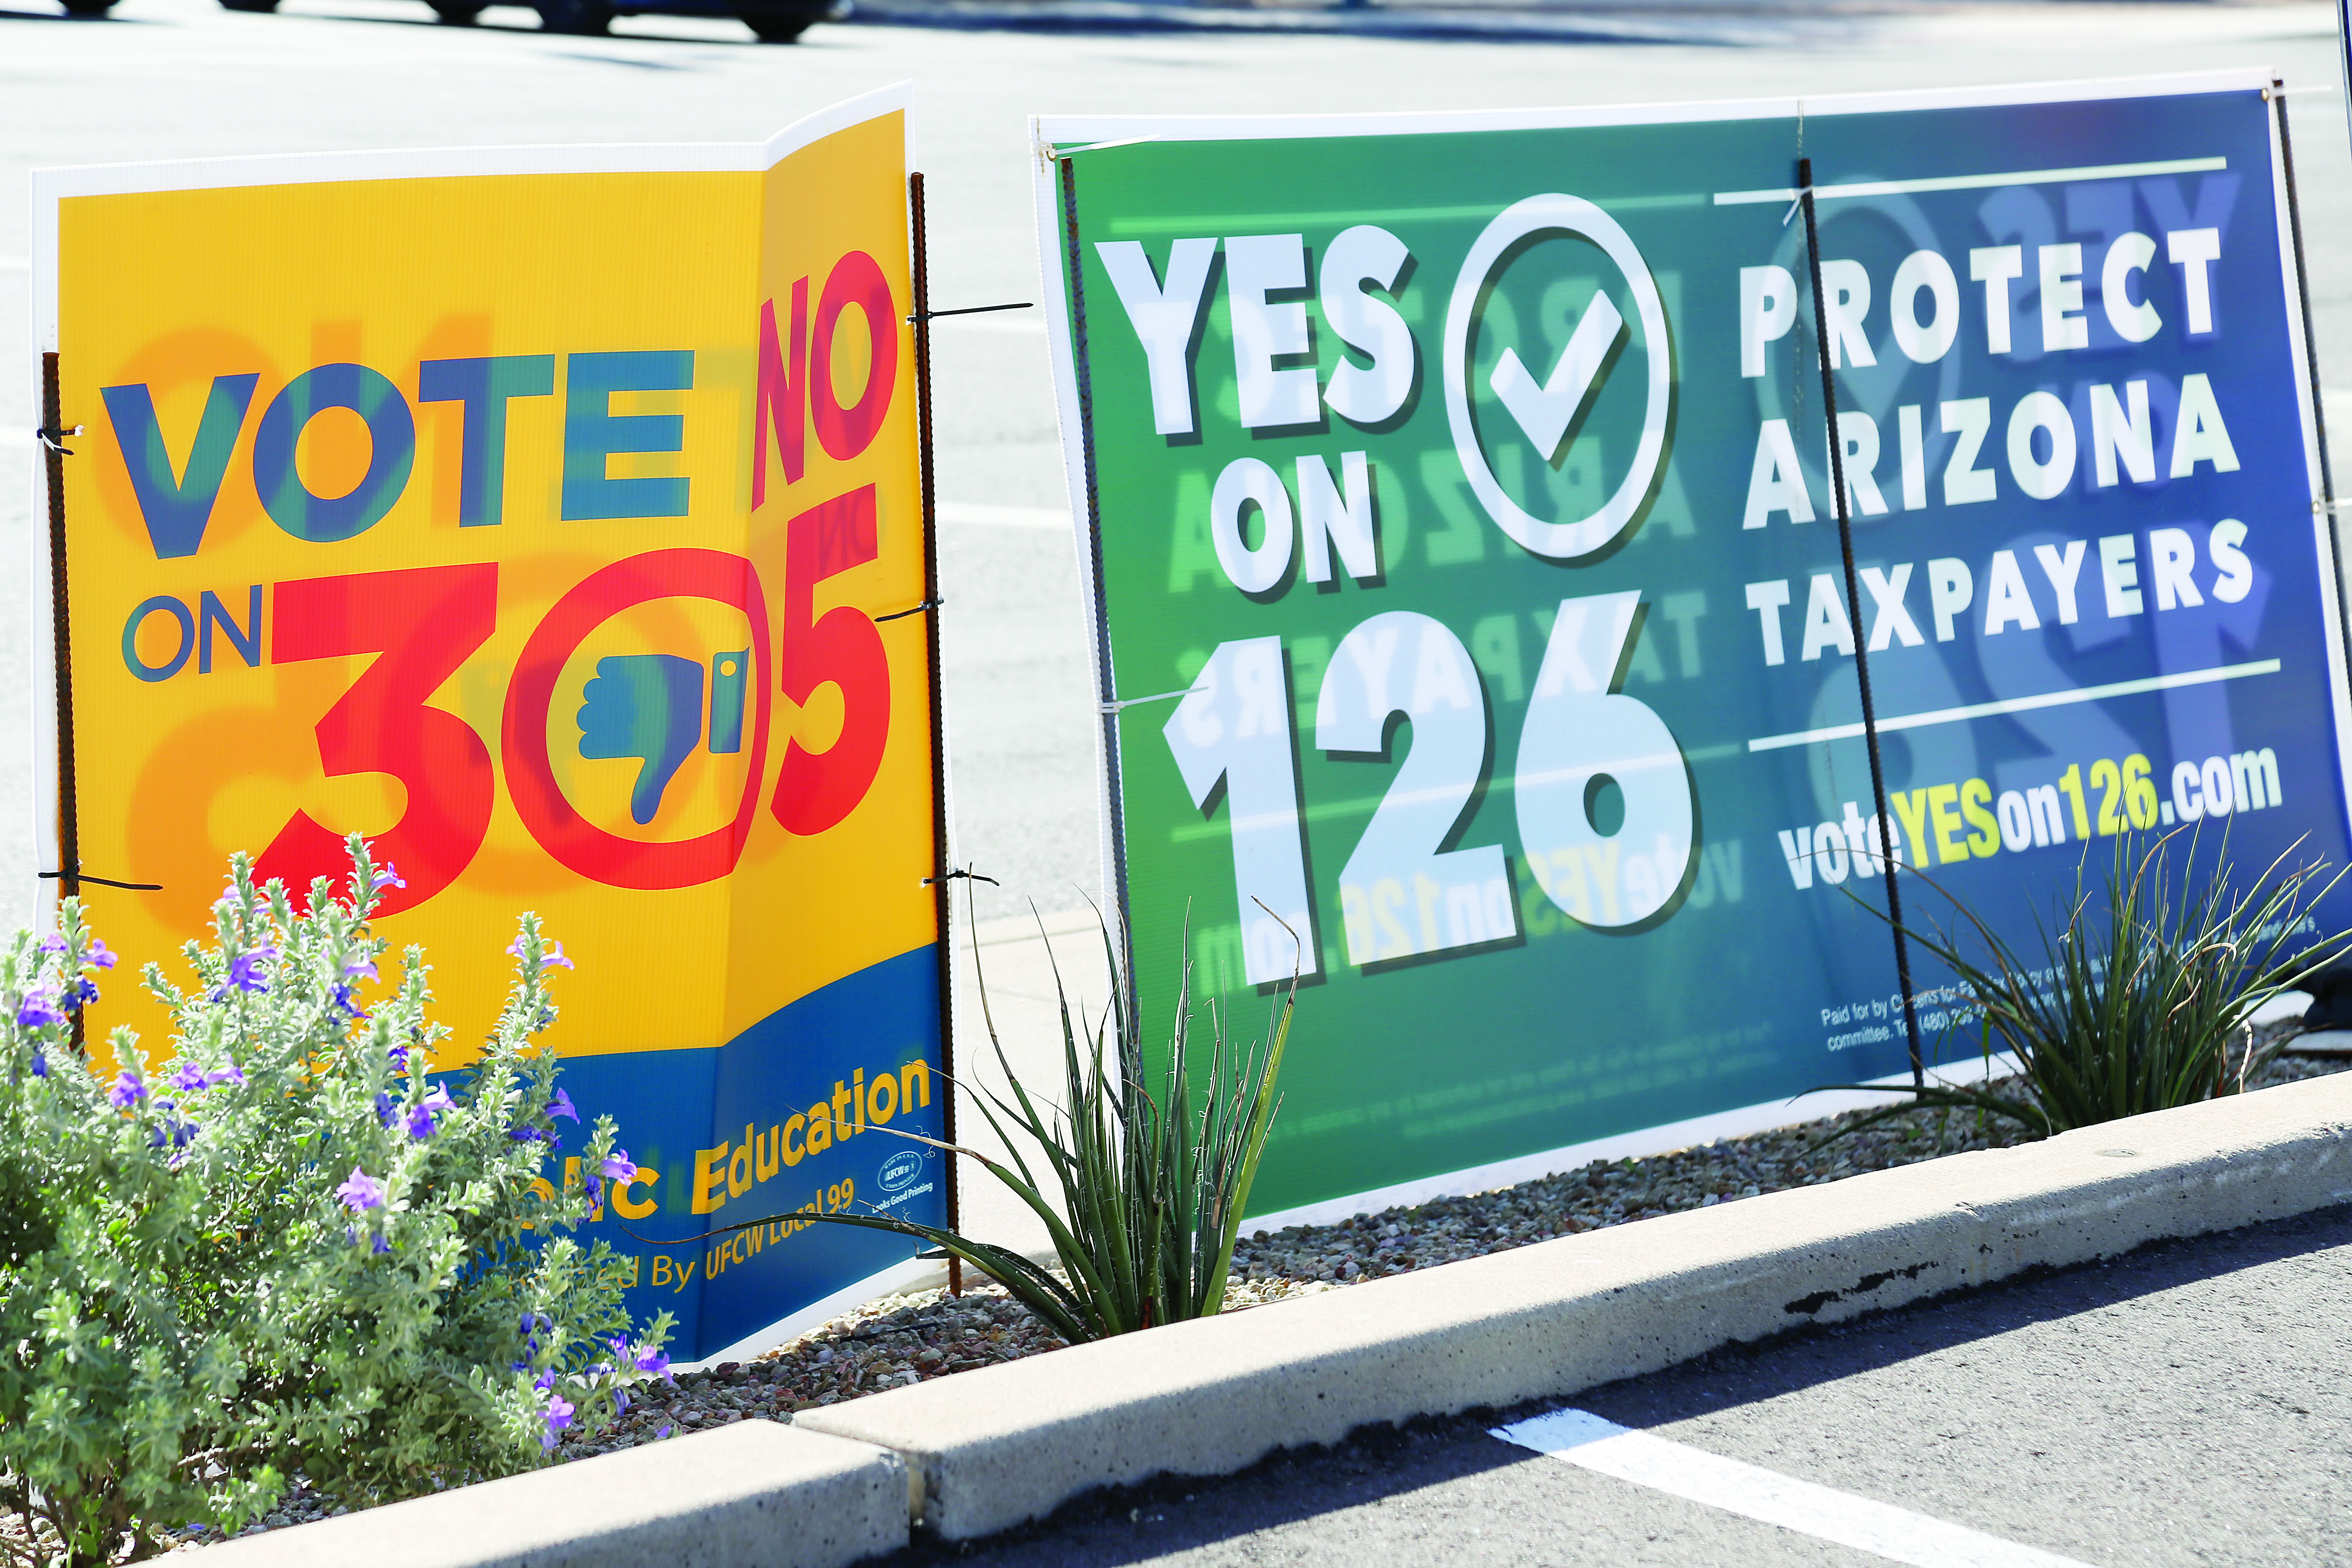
(1545, 411)
(1551, 409)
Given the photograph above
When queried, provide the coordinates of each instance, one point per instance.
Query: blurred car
(771, 21)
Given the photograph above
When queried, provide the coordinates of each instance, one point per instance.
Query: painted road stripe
(2024, 704)
(1897, 1534)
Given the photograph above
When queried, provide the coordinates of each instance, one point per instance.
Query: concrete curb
(756, 1492)
(971, 1454)
(995, 1447)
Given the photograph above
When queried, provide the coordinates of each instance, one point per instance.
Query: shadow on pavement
(1148, 1522)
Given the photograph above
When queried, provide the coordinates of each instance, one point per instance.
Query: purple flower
(666, 1431)
(525, 1135)
(84, 992)
(561, 1106)
(388, 877)
(617, 1167)
(398, 1057)
(361, 967)
(188, 1078)
(40, 1065)
(245, 969)
(127, 1091)
(351, 1009)
(98, 957)
(550, 956)
(231, 1074)
(595, 1192)
(558, 1417)
(362, 1193)
(39, 1009)
(53, 942)
(421, 1116)
(545, 1381)
(385, 1108)
(655, 1361)
(620, 1402)
(382, 1245)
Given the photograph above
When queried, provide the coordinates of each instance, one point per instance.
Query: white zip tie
(1156, 697)
(1098, 146)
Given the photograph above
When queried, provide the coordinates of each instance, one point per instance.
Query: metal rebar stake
(1884, 848)
(68, 816)
(1106, 687)
(942, 900)
(2311, 362)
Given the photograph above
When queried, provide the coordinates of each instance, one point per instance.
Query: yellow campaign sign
(550, 516)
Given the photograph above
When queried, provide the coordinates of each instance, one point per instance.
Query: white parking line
(1899, 1535)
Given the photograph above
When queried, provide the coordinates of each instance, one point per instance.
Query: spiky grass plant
(2139, 991)
(1153, 1185)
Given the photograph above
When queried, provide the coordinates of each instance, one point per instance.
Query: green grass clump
(2139, 990)
(1153, 1185)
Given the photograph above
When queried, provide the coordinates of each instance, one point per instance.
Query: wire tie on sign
(902, 615)
(1800, 200)
(55, 440)
(1155, 697)
(105, 882)
(970, 310)
(2322, 507)
(968, 876)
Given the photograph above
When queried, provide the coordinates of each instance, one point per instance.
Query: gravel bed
(902, 1340)
(911, 1339)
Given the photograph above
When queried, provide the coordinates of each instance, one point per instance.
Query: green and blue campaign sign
(1468, 598)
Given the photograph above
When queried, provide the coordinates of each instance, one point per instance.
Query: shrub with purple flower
(39, 1009)
(422, 1114)
(290, 1183)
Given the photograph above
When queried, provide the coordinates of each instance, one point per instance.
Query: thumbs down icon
(646, 707)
